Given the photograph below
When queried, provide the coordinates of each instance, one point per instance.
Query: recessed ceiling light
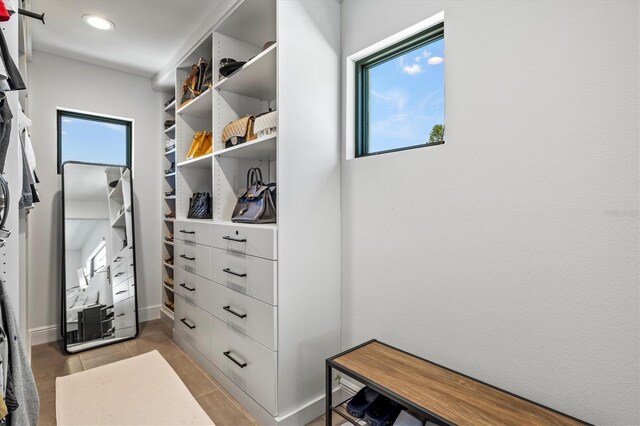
(98, 22)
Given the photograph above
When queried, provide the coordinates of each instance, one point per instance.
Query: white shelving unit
(169, 203)
(282, 280)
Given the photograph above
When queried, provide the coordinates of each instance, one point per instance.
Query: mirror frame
(63, 313)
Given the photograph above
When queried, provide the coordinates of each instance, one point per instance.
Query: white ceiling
(148, 33)
(77, 232)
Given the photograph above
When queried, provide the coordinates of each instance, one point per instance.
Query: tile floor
(49, 361)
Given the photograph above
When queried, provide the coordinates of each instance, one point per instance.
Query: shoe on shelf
(170, 215)
(170, 169)
(382, 412)
(169, 282)
(169, 238)
(170, 193)
(361, 401)
(169, 304)
(169, 261)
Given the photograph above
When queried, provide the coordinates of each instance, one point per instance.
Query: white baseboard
(51, 333)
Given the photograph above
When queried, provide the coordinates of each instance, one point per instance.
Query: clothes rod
(30, 14)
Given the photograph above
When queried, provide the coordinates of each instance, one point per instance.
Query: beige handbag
(266, 124)
(239, 131)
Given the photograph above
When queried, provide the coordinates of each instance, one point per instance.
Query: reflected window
(93, 139)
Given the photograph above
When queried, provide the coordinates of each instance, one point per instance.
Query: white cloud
(418, 58)
(412, 69)
(436, 60)
(396, 98)
(426, 53)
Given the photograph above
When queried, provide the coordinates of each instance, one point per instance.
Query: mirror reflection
(99, 300)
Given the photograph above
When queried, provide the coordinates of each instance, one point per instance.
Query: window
(97, 260)
(93, 139)
(400, 95)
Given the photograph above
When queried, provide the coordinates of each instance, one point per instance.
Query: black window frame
(61, 113)
(362, 66)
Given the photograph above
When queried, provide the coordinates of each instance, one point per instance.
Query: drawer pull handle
(229, 271)
(119, 274)
(121, 291)
(120, 315)
(131, 264)
(184, 321)
(183, 285)
(239, 364)
(117, 259)
(187, 232)
(228, 309)
(237, 240)
(187, 257)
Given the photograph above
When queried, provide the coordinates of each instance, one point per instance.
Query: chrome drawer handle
(184, 321)
(228, 309)
(228, 238)
(238, 363)
(121, 291)
(121, 315)
(229, 271)
(187, 232)
(117, 259)
(183, 285)
(187, 257)
(118, 274)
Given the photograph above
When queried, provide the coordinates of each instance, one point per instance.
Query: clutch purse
(266, 123)
(239, 131)
(202, 145)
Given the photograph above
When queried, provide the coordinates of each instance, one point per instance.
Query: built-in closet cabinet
(169, 207)
(258, 306)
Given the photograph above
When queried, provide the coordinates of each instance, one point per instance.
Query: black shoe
(382, 412)
(361, 401)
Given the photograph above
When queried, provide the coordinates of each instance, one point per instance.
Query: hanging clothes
(5, 128)
(20, 382)
(8, 71)
(29, 177)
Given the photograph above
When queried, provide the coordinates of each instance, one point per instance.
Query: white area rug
(143, 390)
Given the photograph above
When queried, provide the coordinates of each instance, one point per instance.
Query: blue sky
(407, 98)
(93, 141)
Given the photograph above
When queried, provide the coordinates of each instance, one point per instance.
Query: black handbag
(257, 202)
(200, 206)
(207, 77)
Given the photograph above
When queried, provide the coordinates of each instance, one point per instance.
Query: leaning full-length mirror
(99, 302)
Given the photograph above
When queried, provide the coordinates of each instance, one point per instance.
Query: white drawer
(122, 255)
(122, 271)
(256, 372)
(253, 276)
(194, 324)
(193, 258)
(253, 240)
(193, 232)
(121, 292)
(125, 315)
(252, 317)
(195, 289)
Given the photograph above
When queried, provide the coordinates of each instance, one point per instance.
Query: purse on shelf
(207, 77)
(239, 131)
(191, 87)
(266, 123)
(257, 202)
(200, 206)
(202, 145)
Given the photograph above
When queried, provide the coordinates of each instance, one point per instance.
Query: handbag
(200, 206)
(266, 123)
(207, 77)
(202, 145)
(191, 86)
(239, 131)
(257, 202)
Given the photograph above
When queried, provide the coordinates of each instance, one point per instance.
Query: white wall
(59, 82)
(511, 252)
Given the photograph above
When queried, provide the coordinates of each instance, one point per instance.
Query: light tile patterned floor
(49, 361)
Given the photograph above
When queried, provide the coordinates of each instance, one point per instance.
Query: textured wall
(59, 82)
(511, 252)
